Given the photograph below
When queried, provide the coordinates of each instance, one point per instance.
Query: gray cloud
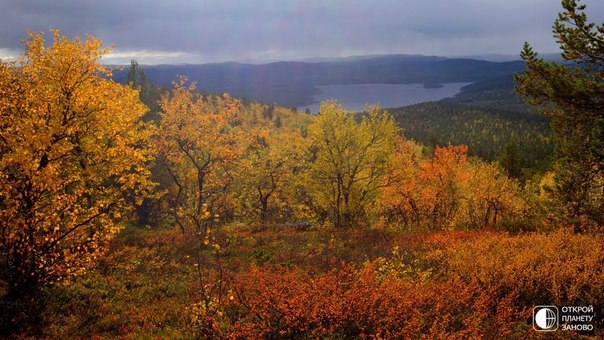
(261, 30)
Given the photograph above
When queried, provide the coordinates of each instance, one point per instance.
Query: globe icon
(545, 318)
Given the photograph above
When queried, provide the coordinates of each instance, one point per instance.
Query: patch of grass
(141, 287)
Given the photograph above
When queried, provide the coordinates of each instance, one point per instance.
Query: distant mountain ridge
(292, 83)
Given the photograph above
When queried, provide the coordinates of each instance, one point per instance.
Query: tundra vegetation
(127, 210)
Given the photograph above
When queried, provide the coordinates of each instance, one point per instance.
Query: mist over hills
(292, 83)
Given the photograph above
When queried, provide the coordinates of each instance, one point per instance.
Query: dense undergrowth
(278, 282)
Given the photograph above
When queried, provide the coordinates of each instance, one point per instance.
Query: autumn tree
(400, 200)
(267, 176)
(71, 144)
(351, 160)
(449, 191)
(491, 199)
(571, 94)
(441, 178)
(198, 143)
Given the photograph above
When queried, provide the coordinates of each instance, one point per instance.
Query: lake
(355, 97)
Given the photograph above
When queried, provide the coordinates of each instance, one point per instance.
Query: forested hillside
(133, 211)
(489, 117)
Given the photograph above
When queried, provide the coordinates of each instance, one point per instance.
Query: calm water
(355, 97)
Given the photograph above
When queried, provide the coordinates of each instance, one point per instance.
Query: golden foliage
(351, 161)
(449, 191)
(198, 143)
(71, 145)
(268, 177)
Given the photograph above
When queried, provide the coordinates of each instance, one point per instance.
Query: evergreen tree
(572, 95)
(511, 160)
(149, 94)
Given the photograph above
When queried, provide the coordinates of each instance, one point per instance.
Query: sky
(256, 31)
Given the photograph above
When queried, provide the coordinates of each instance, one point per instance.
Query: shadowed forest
(137, 211)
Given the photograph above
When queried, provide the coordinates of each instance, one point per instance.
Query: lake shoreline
(355, 97)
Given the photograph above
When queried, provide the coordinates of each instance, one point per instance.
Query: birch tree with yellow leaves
(351, 160)
(269, 178)
(71, 144)
(198, 143)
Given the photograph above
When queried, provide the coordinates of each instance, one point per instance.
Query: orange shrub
(561, 268)
(473, 285)
(357, 302)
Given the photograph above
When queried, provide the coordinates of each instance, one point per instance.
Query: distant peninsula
(433, 85)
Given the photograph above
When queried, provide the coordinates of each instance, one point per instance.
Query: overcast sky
(188, 31)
